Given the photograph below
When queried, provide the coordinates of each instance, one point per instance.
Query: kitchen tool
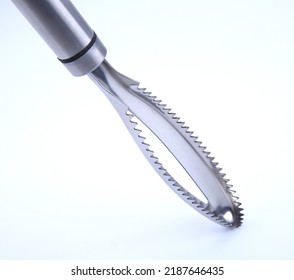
(80, 50)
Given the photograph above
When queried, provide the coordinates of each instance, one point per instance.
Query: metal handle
(60, 24)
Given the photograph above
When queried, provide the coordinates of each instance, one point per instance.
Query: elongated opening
(169, 162)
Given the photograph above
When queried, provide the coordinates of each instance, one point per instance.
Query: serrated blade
(134, 104)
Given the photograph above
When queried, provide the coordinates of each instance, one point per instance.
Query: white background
(73, 185)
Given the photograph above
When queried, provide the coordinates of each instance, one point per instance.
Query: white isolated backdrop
(73, 184)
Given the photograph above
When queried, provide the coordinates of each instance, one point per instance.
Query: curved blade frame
(129, 100)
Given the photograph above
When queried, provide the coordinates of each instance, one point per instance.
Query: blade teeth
(167, 110)
(131, 119)
(152, 156)
(146, 144)
(204, 208)
(185, 193)
(163, 169)
(133, 83)
(170, 179)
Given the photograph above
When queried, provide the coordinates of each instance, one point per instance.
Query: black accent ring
(81, 53)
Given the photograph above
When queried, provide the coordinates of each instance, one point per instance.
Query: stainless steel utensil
(82, 53)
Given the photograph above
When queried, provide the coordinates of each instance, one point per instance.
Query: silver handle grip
(60, 24)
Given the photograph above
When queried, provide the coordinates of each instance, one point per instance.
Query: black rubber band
(81, 53)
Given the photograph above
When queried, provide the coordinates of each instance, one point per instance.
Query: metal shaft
(60, 24)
